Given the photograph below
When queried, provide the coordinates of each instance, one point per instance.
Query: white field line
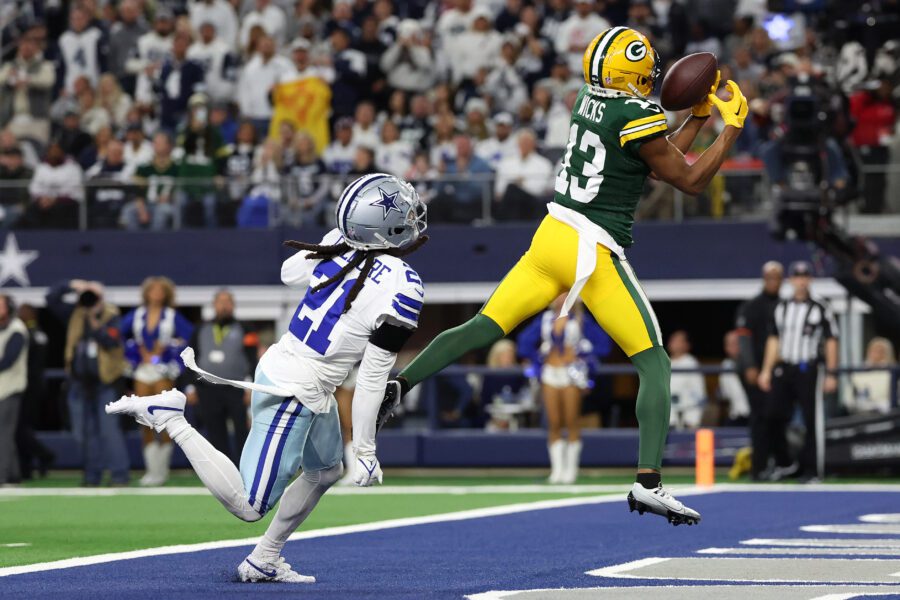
(883, 518)
(802, 551)
(657, 590)
(479, 513)
(826, 542)
(6, 493)
(15, 545)
(398, 490)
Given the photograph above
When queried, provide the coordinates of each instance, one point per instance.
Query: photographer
(13, 381)
(95, 362)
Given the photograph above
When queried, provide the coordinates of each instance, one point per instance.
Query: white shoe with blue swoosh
(152, 411)
(255, 570)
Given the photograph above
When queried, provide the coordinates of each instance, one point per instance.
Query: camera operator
(95, 362)
(805, 164)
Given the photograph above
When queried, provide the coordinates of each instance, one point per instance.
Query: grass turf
(65, 527)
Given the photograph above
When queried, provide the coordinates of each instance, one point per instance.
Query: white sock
(573, 457)
(557, 451)
(215, 470)
(165, 460)
(299, 499)
(349, 460)
(151, 452)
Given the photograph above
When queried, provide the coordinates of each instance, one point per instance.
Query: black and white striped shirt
(802, 327)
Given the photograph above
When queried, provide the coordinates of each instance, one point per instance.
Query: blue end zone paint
(549, 548)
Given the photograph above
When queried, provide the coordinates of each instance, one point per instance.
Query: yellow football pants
(547, 269)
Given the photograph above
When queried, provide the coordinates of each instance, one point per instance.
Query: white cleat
(660, 502)
(152, 411)
(253, 570)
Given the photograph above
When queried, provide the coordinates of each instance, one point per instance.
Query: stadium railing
(739, 191)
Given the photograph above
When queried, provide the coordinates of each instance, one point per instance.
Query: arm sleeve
(14, 347)
(184, 329)
(56, 303)
(373, 375)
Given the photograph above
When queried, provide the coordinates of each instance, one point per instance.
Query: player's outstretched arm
(685, 135)
(668, 163)
(374, 371)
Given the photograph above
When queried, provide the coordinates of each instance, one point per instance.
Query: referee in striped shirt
(803, 332)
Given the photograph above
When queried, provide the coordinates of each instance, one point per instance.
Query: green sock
(448, 347)
(653, 404)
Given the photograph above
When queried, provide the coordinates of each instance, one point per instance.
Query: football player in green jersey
(617, 138)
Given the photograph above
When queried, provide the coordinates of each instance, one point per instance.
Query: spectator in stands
(28, 446)
(82, 50)
(731, 389)
(123, 42)
(307, 182)
(113, 100)
(153, 49)
(153, 207)
(523, 181)
(408, 61)
(223, 347)
(56, 189)
(219, 63)
(338, 156)
(14, 178)
(95, 365)
(576, 32)
(504, 85)
(8, 141)
(13, 382)
(500, 145)
(350, 70)
(107, 187)
(393, 155)
(239, 163)
(179, 78)
(875, 114)
(155, 333)
(870, 391)
(303, 66)
(688, 389)
(70, 136)
(26, 91)
(96, 151)
(460, 199)
(702, 39)
(218, 12)
(371, 46)
(201, 162)
(365, 131)
(260, 74)
(475, 49)
(267, 15)
(415, 127)
(93, 116)
(138, 149)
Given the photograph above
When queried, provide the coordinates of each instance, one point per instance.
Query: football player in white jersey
(362, 302)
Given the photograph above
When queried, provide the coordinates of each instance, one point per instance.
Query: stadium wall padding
(472, 448)
(455, 254)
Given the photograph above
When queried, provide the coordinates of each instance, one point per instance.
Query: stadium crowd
(156, 114)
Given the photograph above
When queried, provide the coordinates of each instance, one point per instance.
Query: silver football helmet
(380, 212)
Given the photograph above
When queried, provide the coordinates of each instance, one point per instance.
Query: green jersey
(602, 175)
(160, 181)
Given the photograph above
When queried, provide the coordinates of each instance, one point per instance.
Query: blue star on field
(388, 202)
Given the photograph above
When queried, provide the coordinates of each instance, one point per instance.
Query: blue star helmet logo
(388, 202)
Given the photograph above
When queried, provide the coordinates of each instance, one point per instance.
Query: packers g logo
(636, 51)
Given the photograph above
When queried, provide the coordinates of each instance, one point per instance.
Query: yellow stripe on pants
(547, 269)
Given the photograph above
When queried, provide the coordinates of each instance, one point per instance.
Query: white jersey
(80, 54)
(322, 345)
(219, 66)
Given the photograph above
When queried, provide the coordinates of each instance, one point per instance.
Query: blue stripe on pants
(273, 427)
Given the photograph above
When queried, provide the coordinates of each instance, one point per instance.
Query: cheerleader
(560, 350)
(154, 334)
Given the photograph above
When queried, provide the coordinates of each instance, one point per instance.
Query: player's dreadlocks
(366, 258)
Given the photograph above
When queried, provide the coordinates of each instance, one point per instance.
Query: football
(688, 80)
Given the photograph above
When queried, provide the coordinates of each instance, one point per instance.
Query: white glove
(367, 471)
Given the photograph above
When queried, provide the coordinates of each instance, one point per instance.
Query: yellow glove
(735, 109)
(703, 108)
